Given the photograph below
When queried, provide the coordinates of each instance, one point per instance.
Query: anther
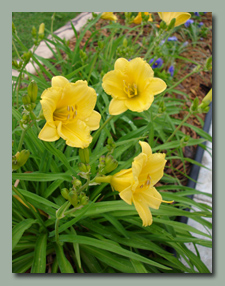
(68, 108)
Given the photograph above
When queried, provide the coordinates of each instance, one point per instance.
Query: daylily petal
(156, 86)
(48, 133)
(146, 149)
(181, 19)
(143, 211)
(48, 108)
(54, 93)
(117, 106)
(112, 84)
(154, 166)
(126, 195)
(93, 120)
(76, 134)
(151, 196)
(139, 103)
(137, 167)
(81, 95)
(59, 81)
(121, 64)
(122, 180)
(138, 72)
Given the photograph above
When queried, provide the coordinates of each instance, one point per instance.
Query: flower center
(65, 114)
(147, 182)
(130, 89)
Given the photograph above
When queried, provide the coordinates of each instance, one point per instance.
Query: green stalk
(21, 139)
(57, 231)
(100, 129)
(178, 127)
(14, 46)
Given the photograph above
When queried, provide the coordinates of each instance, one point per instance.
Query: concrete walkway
(205, 176)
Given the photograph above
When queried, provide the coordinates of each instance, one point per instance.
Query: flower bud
(84, 168)
(34, 32)
(41, 29)
(32, 90)
(125, 42)
(20, 159)
(184, 141)
(26, 99)
(194, 106)
(84, 200)
(65, 193)
(84, 155)
(208, 98)
(76, 183)
(110, 164)
(171, 24)
(163, 25)
(72, 197)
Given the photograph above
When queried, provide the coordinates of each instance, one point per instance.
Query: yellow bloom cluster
(109, 16)
(69, 112)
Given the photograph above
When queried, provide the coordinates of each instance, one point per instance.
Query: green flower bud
(65, 193)
(20, 159)
(110, 164)
(32, 90)
(125, 42)
(84, 155)
(208, 64)
(26, 57)
(41, 29)
(184, 141)
(84, 200)
(194, 106)
(34, 32)
(26, 99)
(163, 25)
(84, 168)
(72, 197)
(76, 183)
(171, 24)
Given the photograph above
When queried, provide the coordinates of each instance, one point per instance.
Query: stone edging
(66, 32)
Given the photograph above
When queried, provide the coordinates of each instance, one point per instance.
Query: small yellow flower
(138, 18)
(109, 16)
(135, 185)
(181, 17)
(69, 111)
(132, 86)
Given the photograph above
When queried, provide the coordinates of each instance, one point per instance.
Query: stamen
(72, 108)
(141, 186)
(68, 108)
(68, 117)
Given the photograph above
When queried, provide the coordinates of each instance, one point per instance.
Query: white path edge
(205, 176)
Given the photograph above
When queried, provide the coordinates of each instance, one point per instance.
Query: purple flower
(151, 61)
(158, 63)
(200, 24)
(162, 42)
(171, 70)
(197, 14)
(185, 44)
(188, 23)
(204, 12)
(171, 39)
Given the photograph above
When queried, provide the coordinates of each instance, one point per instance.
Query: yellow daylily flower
(69, 111)
(136, 185)
(132, 86)
(181, 17)
(109, 16)
(138, 18)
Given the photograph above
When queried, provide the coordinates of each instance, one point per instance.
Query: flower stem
(178, 127)
(21, 139)
(100, 129)
(57, 231)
